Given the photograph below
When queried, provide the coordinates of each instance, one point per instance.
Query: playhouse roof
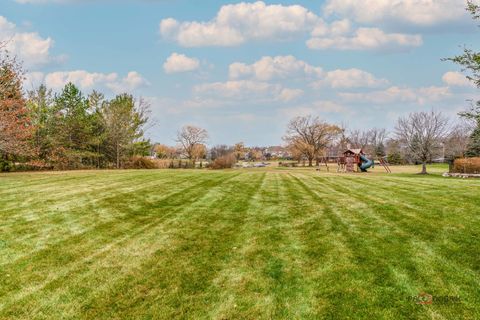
(354, 151)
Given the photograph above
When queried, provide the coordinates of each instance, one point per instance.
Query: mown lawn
(240, 244)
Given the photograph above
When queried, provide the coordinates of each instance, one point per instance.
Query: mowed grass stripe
(426, 221)
(277, 244)
(377, 260)
(453, 233)
(403, 254)
(64, 256)
(318, 249)
(61, 203)
(68, 191)
(403, 206)
(443, 243)
(65, 218)
(264, 280)
(444, 191)
(180, 278)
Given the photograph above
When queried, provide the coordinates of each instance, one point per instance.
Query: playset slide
(366, 163)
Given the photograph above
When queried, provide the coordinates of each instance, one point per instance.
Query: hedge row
(467, 165)
(147, 163)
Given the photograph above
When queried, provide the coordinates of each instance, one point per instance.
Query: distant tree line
(70, 130)
(66, 130)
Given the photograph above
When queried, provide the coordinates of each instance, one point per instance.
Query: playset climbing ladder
(385, 165)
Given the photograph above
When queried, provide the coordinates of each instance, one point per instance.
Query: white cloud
(131, 82)
(33, 80)
(456, 79)
(30, 47)
(366, 39)
(84, 79)
(180, 63)
(87, 80)
(235, 24)
(171, 106)
(290, 94)
(337, 28)
(238, 89)
(279, 67)
(406, 12)
(244, 90)
(350, 78)
(396, 94)
(314, 108)
(288, 68)
(239, 70)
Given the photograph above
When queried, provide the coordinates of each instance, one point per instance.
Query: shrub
(287, 164)
(34, 165)
(395, 158)
(180, 164)
(6, 165)
(224, 162)
(162, 163)
(467, 165)
(140, 163)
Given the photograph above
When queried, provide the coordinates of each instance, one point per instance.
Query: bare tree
(239, 150)
(189, 137)
(343, 140)
(199, 152)
(359, 139)
(456, 143)
(422, 133)
(377, 136)
(377, 141)
(164, 152)
(310, 136)
(255, 154)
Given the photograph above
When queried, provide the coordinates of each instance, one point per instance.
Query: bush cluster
(224, 162)
(467, 165)
(140, 163)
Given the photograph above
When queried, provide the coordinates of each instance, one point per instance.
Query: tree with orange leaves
(15, 125)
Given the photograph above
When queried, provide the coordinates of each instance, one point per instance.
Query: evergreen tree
(72, 129)
(124, 119)
(470, 62)
(380, 150)
(473, 148)
(40, 104)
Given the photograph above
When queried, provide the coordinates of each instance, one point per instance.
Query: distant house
(276, 152)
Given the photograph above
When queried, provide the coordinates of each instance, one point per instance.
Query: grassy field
(239, 244)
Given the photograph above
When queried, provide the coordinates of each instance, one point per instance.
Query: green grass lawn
(239, 244)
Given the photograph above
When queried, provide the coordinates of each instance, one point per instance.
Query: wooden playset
(354, 160)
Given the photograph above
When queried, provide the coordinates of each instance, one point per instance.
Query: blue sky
(243, 69)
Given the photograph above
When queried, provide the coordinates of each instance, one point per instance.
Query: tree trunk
(424, 167)
(98, 156)
(310, 162)
(118, 157)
